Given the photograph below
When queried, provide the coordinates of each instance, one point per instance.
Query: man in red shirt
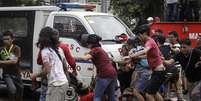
(105, 72)
(155, 62)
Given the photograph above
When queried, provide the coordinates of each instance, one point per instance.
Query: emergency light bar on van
(65, 6)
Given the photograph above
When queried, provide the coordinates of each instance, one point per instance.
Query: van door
(21, 23)
(71, 30)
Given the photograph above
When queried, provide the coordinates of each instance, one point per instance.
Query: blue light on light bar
(65, 6)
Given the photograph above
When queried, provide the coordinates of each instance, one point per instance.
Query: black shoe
(167, 100)
(180, 100)
(185, 92)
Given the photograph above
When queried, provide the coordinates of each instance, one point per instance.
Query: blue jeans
(143, 77)
(172, 12)
(43, 92)
(43, 89)
(15, 87)
(104, 85)
(193, 11)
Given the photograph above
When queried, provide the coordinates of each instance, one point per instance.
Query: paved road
(28, 95)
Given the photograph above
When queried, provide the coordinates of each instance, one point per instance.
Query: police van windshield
(107, 26)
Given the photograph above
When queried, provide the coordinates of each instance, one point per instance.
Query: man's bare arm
(85, 58)
(140, 53)
(169, 62)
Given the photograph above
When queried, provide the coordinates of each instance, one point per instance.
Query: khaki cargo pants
(56, 93)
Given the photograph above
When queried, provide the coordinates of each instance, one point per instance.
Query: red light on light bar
(88, 6)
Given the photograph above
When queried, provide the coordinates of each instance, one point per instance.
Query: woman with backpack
(52, 60)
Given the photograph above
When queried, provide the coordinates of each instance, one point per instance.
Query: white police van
(26, 23)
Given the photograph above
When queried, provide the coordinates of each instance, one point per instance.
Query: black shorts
(157, 79)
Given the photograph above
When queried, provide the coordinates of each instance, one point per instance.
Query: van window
(107, 26)
(18, 25)
(69, 27)
(21, 23)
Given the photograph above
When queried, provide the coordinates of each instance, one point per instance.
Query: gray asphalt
(28, 95)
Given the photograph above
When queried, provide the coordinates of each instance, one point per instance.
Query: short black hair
(141, 29)
(159, 30)
(186, 41)
(93, 39)
(154, 37)
(134, 41)
(174, 33)
(161, 39)
(8, 33)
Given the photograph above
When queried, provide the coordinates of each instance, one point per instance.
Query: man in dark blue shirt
(190, 60)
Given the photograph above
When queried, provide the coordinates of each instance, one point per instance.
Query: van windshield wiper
(111, 40)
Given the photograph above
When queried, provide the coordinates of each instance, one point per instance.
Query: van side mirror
(121, 38)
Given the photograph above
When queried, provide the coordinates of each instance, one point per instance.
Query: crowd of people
(54, 57)
(178, 10)
(173, 64)
(151, 67)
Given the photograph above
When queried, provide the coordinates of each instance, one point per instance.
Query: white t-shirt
(171, 1)
(56, 75)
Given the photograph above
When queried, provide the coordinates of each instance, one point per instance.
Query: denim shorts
(141, 82)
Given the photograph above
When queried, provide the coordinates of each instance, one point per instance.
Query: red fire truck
(189, 30)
